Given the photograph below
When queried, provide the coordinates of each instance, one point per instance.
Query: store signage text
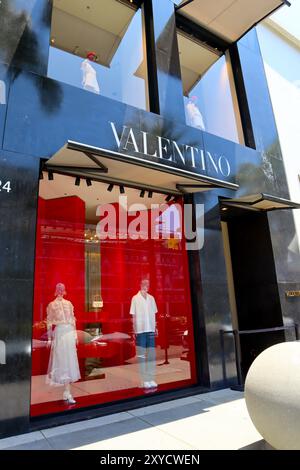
(5, 186)
(168, 150)
(292, 293)
(2, 352)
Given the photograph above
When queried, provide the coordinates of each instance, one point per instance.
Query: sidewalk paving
(210, 421)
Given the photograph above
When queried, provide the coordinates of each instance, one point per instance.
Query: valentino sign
(168, 151)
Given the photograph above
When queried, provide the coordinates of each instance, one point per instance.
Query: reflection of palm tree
(274, 157)
(264, 176)
(19, 48)
(166, 129)
(273, 168)
(252, 179)
(51, 95)
(170, 131)
(12, 26)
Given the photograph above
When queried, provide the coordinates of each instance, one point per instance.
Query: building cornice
(282, 32)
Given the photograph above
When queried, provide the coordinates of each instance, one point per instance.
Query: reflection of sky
(215, 101)
(118, 80)
(279, 54)
(289, 18)
(19, 4)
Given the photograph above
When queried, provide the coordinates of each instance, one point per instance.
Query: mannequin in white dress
(63, 368)
(194, 115)
(89, 74)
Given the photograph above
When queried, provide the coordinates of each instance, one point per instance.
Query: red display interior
(60, 257)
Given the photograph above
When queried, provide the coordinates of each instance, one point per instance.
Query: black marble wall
(282, 227)
(256, 288)
(210, 289)
(17, 241)
(261, 114)
(212, 292)
(4, 88)
(25, 34)
(163, 60)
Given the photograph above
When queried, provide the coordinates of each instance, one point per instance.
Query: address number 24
(5, 186)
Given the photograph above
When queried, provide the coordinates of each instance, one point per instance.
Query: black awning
(260, 202)
(76, 159)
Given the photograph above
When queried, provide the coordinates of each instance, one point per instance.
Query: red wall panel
(60, 257)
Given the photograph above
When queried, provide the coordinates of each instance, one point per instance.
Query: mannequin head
(92, 56)
(60, 290)
(194, 99)
(145, 284)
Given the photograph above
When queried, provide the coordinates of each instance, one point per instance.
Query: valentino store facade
(144, 207)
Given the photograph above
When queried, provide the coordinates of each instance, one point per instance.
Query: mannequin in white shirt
(89, 74)
(194, 115)
(2, 92)
(143, 310)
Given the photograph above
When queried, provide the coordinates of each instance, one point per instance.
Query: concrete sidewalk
(210, 421)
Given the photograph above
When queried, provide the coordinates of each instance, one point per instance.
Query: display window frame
(94, 60)
(108, 402)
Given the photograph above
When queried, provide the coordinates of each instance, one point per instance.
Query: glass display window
(112, 307)
(99, 46)
(208, 89)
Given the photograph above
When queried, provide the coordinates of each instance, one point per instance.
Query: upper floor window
(98, 46)
(209, 95)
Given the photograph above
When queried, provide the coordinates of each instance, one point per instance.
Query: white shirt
(195, 117)
(144, 310)
(89, 80)
(2, 92)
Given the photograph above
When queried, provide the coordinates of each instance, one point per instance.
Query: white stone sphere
(272, 394)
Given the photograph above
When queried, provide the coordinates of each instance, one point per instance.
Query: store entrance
(254, 281)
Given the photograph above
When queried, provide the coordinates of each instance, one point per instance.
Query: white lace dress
(63, 365)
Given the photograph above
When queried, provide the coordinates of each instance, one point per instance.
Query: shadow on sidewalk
(258, 445)
(142, 419)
